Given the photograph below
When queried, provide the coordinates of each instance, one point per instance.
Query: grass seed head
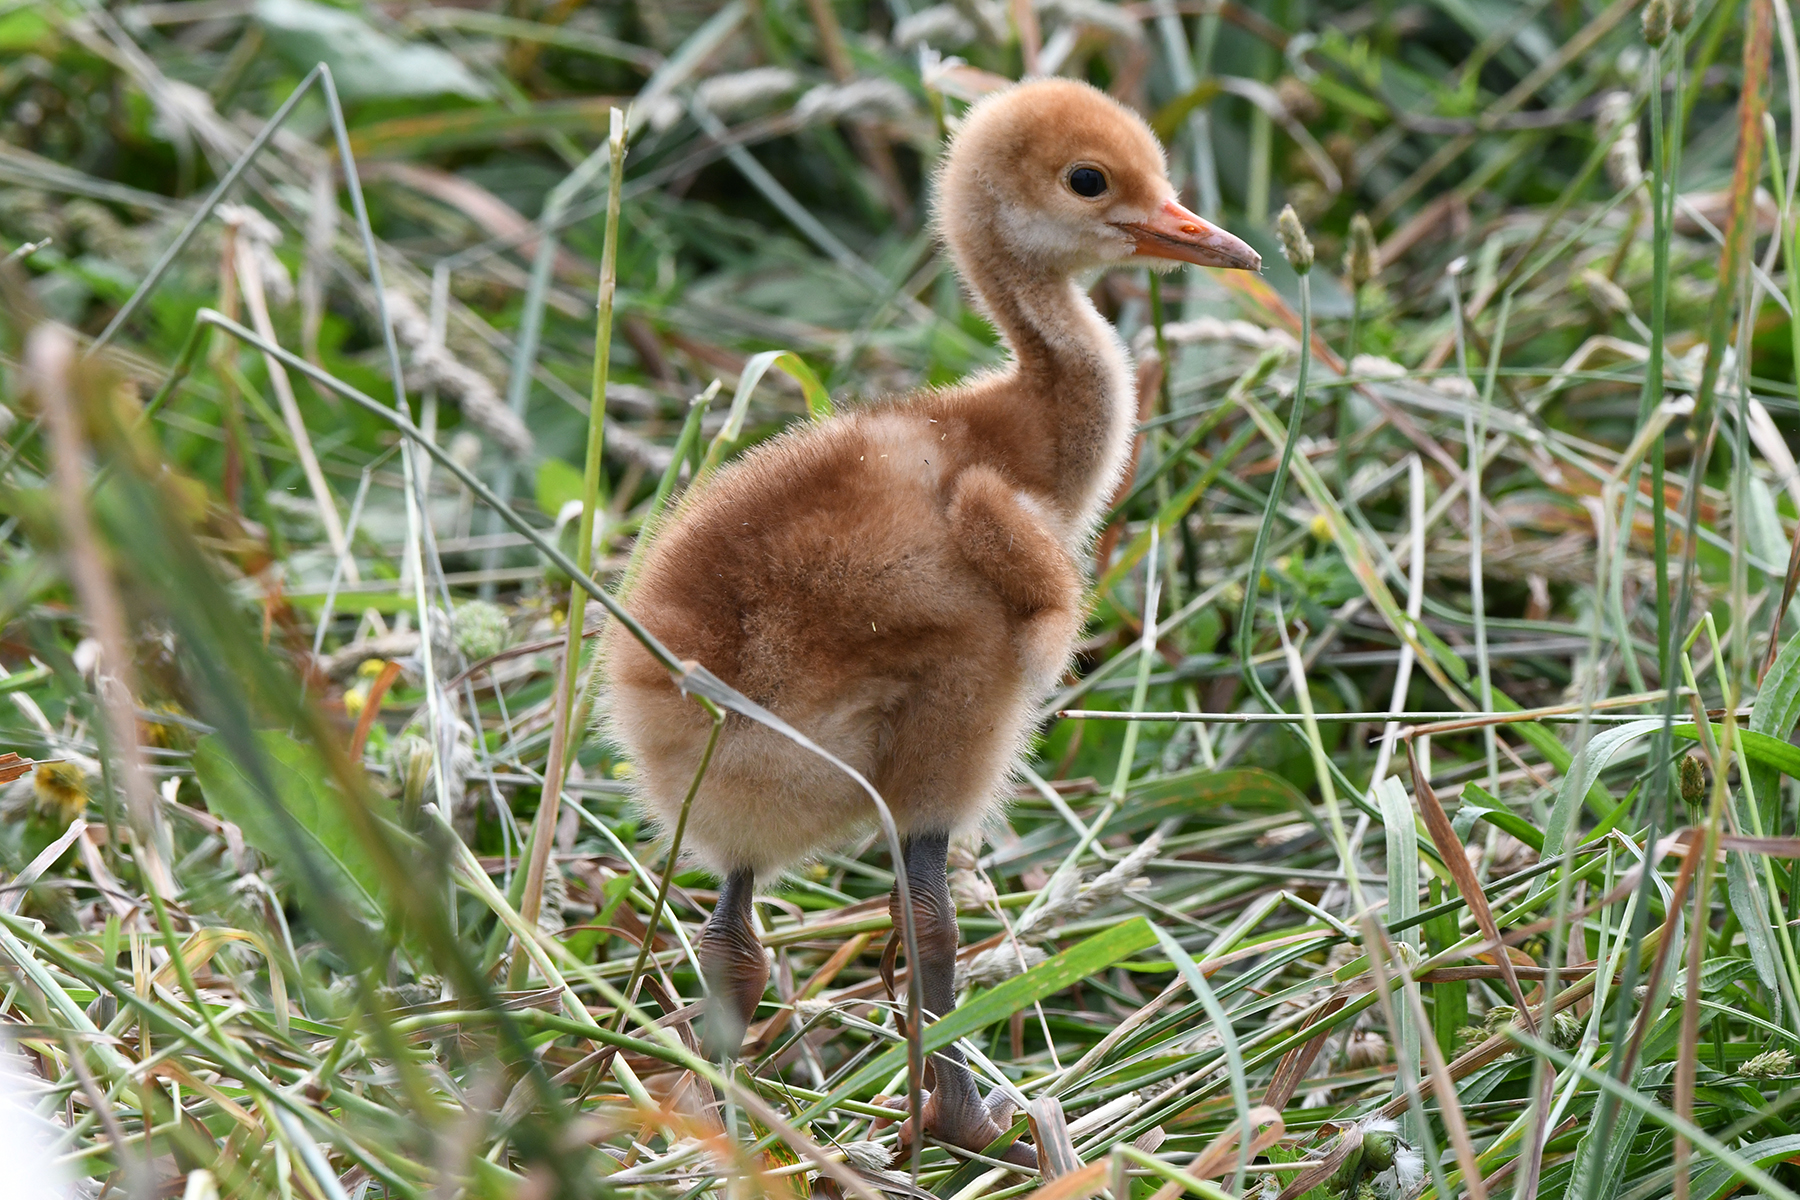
(1366, 1048)
(997, 964)
(1657, 19)
(1361, 261)
(1693, 781)
(730, 95)
(1624, 164)
(1294, 242)
(867, 1156)
(1768, 1065)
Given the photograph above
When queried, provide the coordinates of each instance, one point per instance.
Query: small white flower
(86, 656)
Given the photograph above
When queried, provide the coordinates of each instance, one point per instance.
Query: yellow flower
(59, 790)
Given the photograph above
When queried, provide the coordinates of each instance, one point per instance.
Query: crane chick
(902, 582)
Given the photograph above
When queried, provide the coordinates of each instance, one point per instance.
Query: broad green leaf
(24, 29)
(1759, 748)
(557, 484)
(1585, 771)
(1778, 699)
(1205, 787)
(1762, 524)
(318, 839)
(1491, 810)
(365, 63)
(1611, 819)
(1777, 710)
(1449, 1001)
(818, 401)
(1169, 118)
(1403, 904)
(1747, 902)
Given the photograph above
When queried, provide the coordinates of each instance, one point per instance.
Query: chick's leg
(732, 961)
(954, 1111)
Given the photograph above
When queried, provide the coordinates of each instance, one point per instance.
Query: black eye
(1086, 181)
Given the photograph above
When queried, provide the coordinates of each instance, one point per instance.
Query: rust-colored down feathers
(902, 582)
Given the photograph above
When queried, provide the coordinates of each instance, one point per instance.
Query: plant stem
(1246, 627)
(668, 873)
(543, 828)
(1662, 196)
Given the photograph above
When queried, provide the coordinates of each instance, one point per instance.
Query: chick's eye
(1086, 181)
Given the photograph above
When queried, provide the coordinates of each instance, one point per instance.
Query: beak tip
(1177, 234)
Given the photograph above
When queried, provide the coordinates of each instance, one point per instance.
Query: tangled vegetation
(1419, 818)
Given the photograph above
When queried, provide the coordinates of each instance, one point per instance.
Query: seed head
(1294, 244)
(1768, 1065)
(1366, 1049)
(869, 1156)
(410, 759)
(1657, 19)
(1624, 166)
(1359, 261)
(479, 629)
(1379, 1148)
(1693, 781)
(59, 790)
(1498, 1017)
(1683, 15)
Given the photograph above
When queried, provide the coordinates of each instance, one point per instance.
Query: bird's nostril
(1190, 229)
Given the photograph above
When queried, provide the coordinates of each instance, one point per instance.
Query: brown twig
(50, 365)
(365, 720)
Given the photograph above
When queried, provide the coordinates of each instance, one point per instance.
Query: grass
(1490, 639)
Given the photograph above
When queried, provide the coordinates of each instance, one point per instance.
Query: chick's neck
(1071, 374)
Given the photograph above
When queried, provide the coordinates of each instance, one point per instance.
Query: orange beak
(1175, 233)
